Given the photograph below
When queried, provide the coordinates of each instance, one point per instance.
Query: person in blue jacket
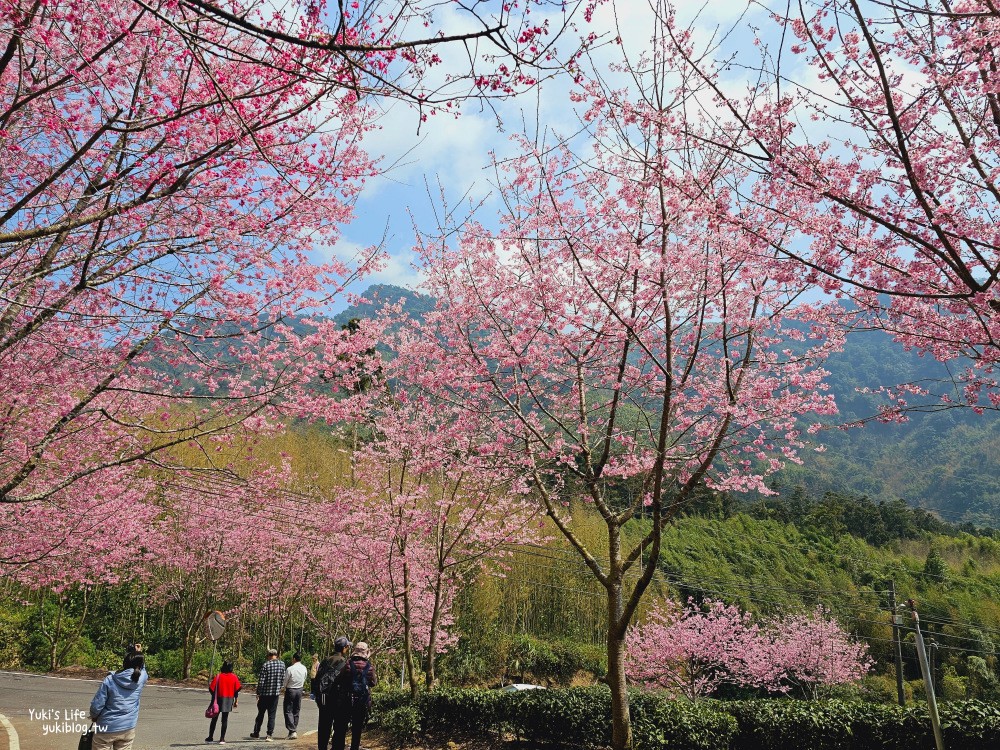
(115, 708)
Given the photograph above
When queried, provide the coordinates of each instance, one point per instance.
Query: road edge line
(13, 743)
(92, 679)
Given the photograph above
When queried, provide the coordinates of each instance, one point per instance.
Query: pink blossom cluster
(880, 153)
(695, 649)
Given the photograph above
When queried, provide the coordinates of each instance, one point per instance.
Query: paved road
(168, 717)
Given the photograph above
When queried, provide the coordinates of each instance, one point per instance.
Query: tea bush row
(581, 717)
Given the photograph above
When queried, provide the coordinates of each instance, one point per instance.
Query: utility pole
(897, 646)
(928, 678)
(933, 659)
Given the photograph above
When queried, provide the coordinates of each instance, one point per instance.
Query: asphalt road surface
(168, 717)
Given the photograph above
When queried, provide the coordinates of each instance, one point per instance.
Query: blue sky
(455, 151)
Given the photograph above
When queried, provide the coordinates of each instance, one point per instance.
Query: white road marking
(13, 743)
(91, 679)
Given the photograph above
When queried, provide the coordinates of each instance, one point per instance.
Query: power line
(711, 585)
(702, 583)
(868, 638)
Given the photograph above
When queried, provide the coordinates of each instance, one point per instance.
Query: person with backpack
(332, 700)
(360, 681)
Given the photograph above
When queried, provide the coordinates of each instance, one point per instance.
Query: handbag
(213, 708)
(87, 739)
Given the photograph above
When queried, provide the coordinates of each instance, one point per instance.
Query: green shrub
(554, 661)
(660, 724)
(581, 717)
(795, 725)
(578, 716)
(384, 702)
(401, 725)
(574, 716)
(783, 724)
(461, 712)
(167, 663)
(970, 725)
(916, 690)
(881, 688)
(953, 688)
(13, 636)
(822, 725)
(478, 657)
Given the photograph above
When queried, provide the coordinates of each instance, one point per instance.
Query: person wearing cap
(269, 682)
(360, 681)
(334, 703)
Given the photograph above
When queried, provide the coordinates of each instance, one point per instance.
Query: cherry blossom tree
(391, 49)
(158, 216)
(872, 129)
(171, 172)
(695, 649)
(56, 554)
(224, 544)
(625, 345)
(813, 651)
(454, 508)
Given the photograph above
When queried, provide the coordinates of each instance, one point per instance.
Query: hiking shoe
(268, 739)
(293, 735)
(254, 735)
(209, 739)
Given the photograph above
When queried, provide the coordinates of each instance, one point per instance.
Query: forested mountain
(939, 460)
(378, 295)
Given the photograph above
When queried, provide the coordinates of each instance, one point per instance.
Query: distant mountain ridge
(943, 461)
(378, 295)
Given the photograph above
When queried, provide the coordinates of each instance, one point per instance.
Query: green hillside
(546, 611)
(939, 460)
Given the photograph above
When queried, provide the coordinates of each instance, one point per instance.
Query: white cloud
(453, 149)
(455, 152)
(399, 271)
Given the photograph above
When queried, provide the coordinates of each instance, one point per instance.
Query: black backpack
(325, 680)
(360, 689)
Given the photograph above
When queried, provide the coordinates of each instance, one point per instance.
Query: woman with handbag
(225, 689)
(115, 708)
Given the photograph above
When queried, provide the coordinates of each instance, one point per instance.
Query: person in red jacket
(226, 687)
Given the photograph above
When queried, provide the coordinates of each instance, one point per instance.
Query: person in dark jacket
(359, 681)
(334, 703)
(115, 707)
(226, 689)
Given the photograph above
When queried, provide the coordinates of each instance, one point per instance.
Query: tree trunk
(430, 671)
(54, 638)
(71, 640)
(408, 634)
(187, 652)
(621, 721)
